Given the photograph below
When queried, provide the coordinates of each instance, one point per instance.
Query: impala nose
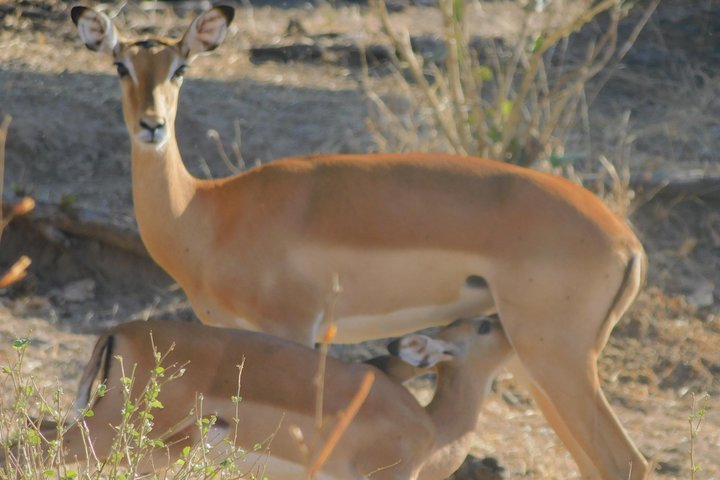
(152, 130)
(152, 125)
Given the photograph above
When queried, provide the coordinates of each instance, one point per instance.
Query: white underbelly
(357, 328)
(393, 292)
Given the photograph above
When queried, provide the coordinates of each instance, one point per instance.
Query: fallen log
(110, 228)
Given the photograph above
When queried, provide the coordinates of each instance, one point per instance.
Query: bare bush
(514, 99)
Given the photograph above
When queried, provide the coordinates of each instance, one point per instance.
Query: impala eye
(122, 70)
(180, 72)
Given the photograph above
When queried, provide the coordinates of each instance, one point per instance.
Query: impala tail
(632, 282)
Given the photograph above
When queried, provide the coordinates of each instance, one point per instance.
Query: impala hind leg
(562, 365)
(587, 425)
(553, 417)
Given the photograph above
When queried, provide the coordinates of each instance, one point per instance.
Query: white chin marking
(145, 139)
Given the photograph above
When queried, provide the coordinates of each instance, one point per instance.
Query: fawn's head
(478, 341)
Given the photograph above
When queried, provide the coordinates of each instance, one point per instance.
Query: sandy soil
(67, 144)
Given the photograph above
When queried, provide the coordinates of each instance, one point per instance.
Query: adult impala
(391, 435)
(415, 239)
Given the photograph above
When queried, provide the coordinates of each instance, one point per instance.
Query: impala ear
(96, 30)
(207, 31)
(421, 351)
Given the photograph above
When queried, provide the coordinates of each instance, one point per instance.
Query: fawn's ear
(422, 351)
(207, 31)
(96, 29)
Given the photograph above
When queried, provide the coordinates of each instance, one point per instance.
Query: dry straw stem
(344, 420)
(215, 136)
(328, 336)
(15, 273)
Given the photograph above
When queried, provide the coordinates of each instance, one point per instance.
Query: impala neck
(163, 191)
(454, 410)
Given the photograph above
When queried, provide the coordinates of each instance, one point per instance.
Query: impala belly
(396, 291)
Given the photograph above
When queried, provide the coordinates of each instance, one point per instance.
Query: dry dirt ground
(67, 146)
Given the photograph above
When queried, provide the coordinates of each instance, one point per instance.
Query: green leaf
(67, 201)
(146, 416)
(88, 412)
(538, 44)
(558, 160)
(33, 438)
(49, 473)
(186, 452)
(506, 108)
(116, 458)
(484, 73)
(20, 343)
(101, 390)
(458, 10)
(494, 134)
(561, 160)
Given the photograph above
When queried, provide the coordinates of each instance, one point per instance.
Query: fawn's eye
(180, 72)
(122, 70)
(484, 327)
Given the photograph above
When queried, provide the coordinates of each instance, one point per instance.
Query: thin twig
(649, 10)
